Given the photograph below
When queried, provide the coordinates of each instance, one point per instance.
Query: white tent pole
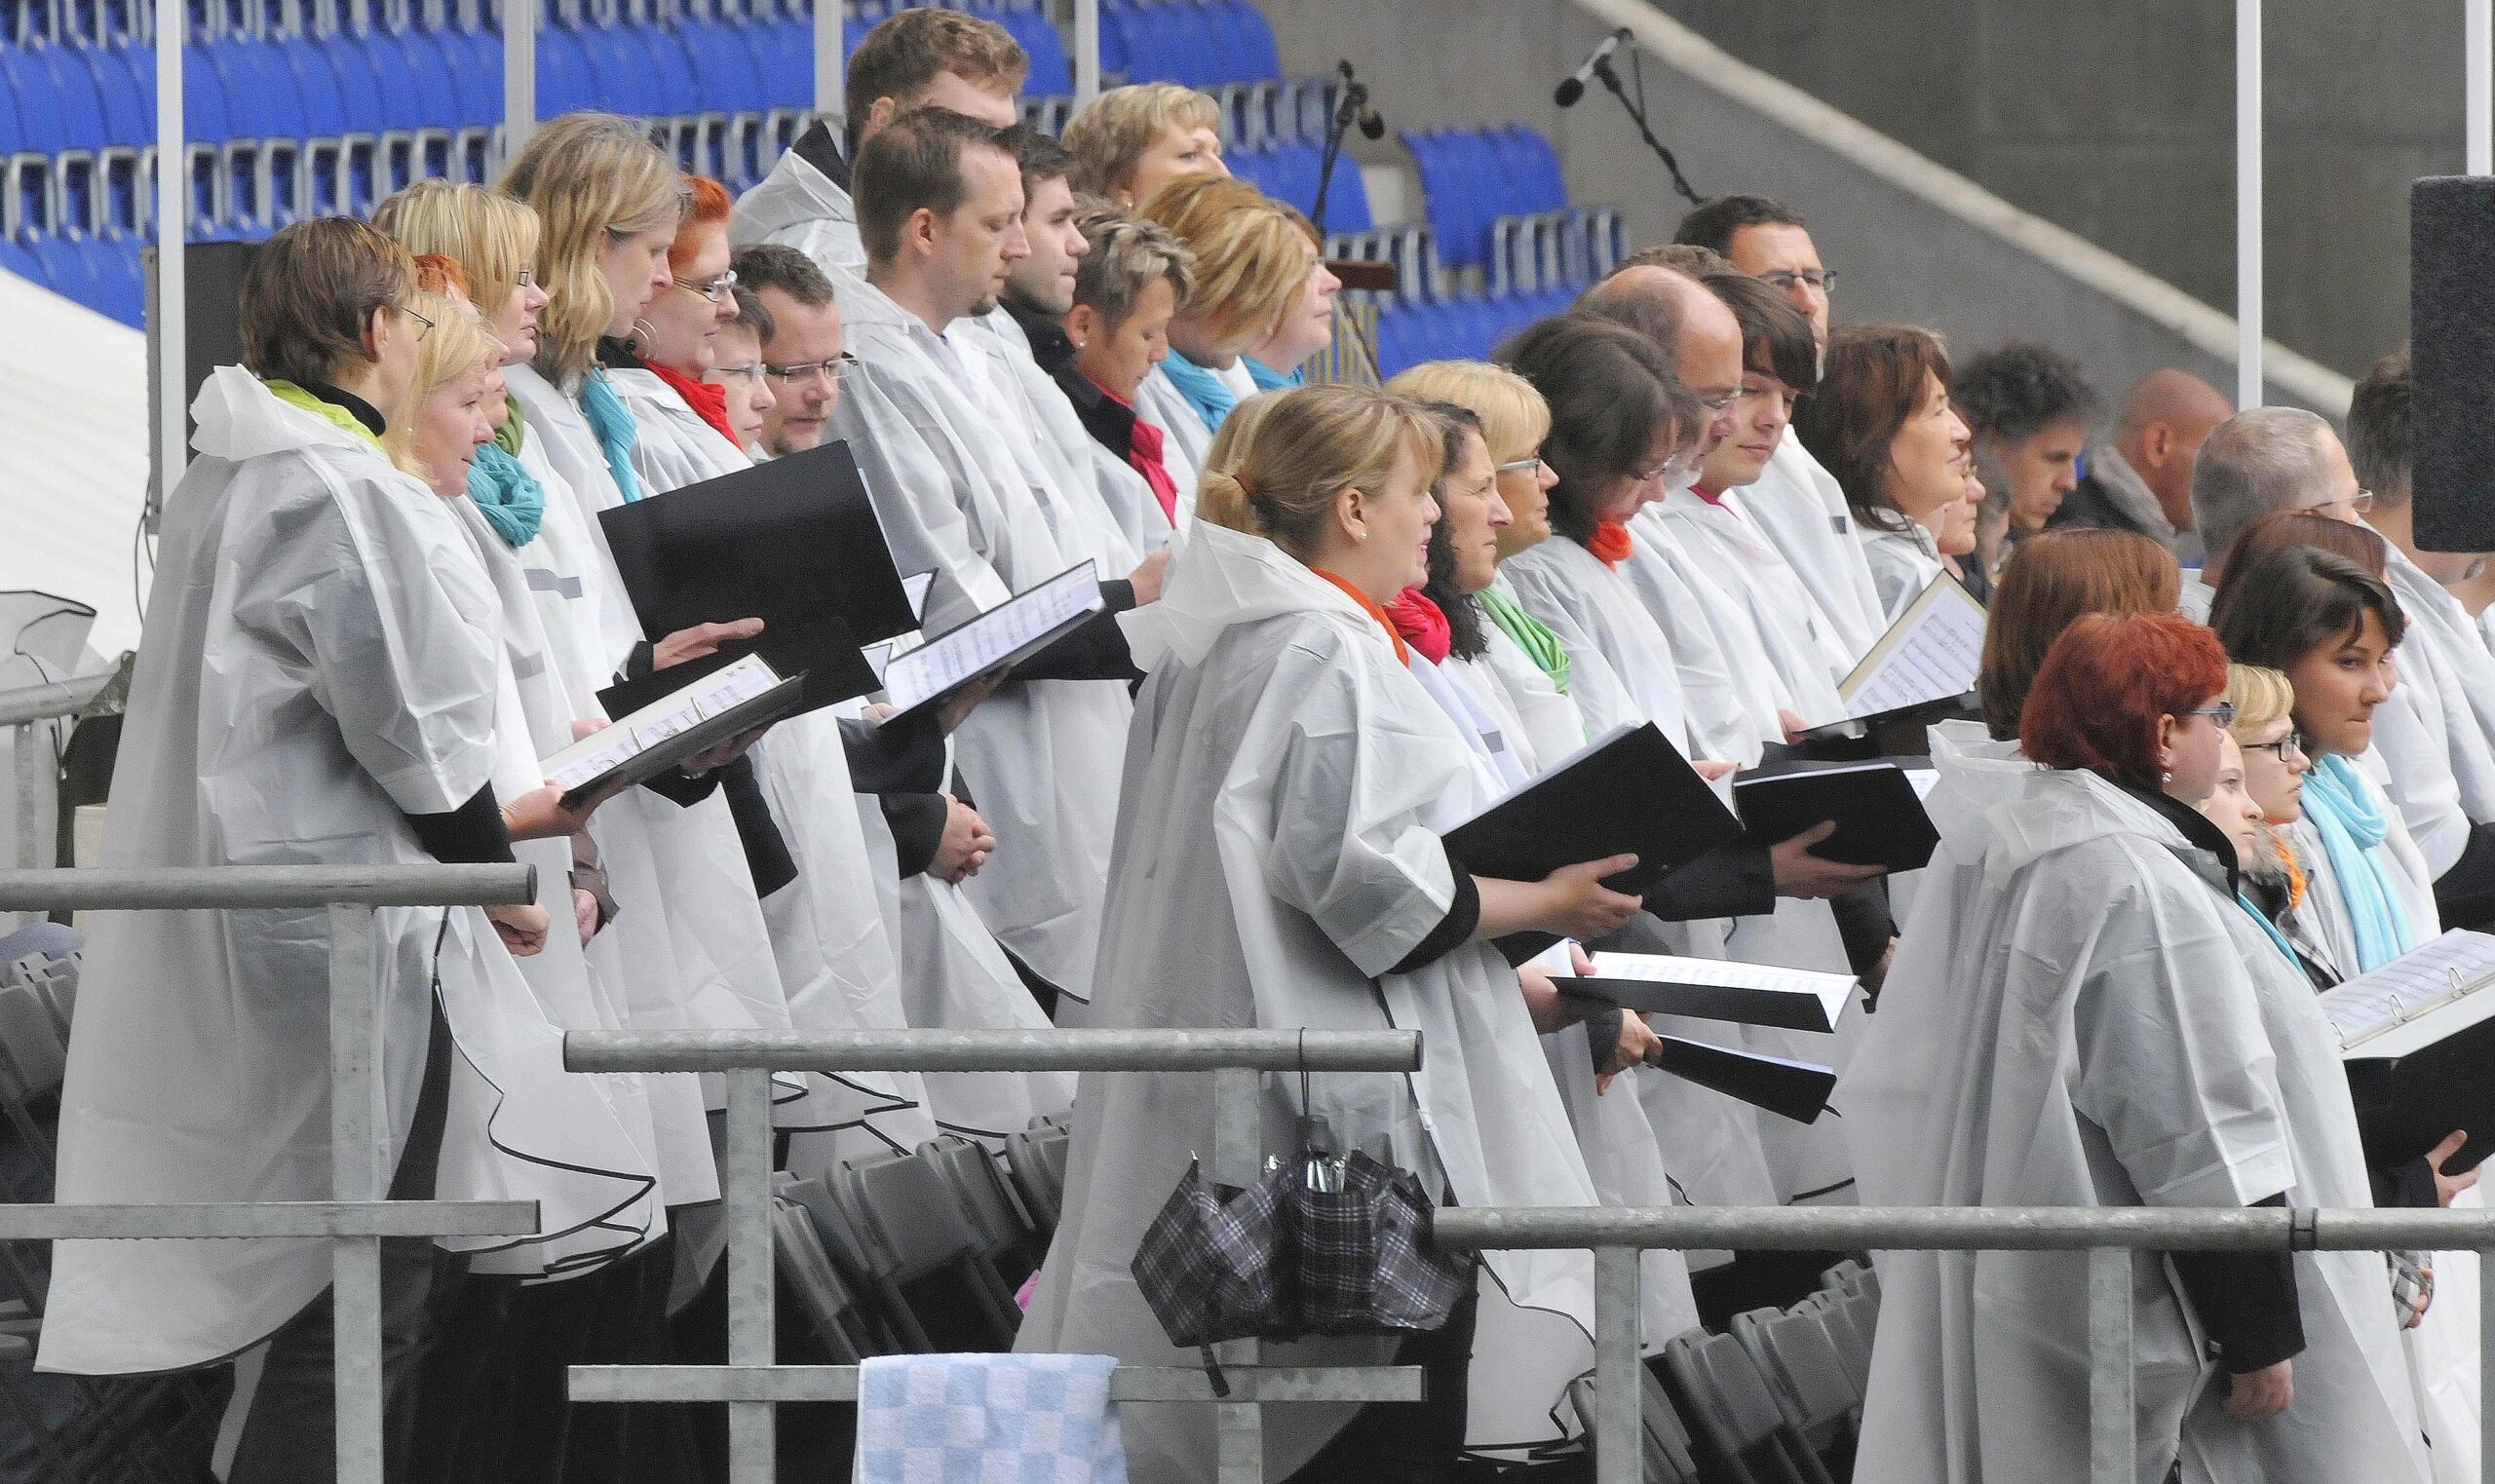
(172, 230)
(1086, 51)
(2247, 203)
(519, 77)
(2477, 47)
(830, 68)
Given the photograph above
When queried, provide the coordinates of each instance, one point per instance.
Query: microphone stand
(1637, 115)
(1347, 111)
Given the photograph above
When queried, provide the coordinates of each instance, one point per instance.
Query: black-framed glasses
(717, 291)
(1822, 278)
(1533, 466)
(827, 370)
(424, 327)
(2223, 714)
(2286, 749)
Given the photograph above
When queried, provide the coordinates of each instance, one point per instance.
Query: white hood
(2062, 808)
(1219, 577)
(240, 418)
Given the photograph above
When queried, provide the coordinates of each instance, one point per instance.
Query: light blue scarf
(2270, 927)
(1267, 379)
(1206, 392)
(2351, 831)
(510, 497)
(613, 424)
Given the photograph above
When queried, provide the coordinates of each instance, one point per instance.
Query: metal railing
(752, 1384)
(2110, 1235)
(357, 1215)
(24, 710)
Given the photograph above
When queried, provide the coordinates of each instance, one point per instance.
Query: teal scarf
(2351, 831)
(510, 497)
(2270, 927)
(613, 424)
(1267, 379)
(1204, 391)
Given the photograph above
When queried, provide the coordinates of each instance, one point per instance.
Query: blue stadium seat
(1532, 170)
(674, 89)
(129, 102)
(74, 96)
(434, 74)
(1259, 58)
(1051, 71)
(725, 75)
(1113, 38)
(15, 259)
(477, 57)
(563, 81)
(32, 125)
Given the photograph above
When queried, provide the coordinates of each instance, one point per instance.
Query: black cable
(1636, 108)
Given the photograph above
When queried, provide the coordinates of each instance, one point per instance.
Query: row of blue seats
(1460, 328)
(101, 272)
(1201, 43)
(1470, 177)
(1290, 169)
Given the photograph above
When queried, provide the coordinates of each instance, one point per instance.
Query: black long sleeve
(2465, 895)
(917, 823)
(1737, 880)
(2247, 1303)
(902, 755)
(766, 850)
(1096, 651)
(473, 834)
(1454, 929)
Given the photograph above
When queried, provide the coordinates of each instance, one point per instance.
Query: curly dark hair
(2017, 390)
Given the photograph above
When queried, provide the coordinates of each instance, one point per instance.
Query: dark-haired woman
(2122, 1033)
(1881, 422)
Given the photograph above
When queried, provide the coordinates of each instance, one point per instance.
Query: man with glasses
(1797, 504)
(2442, 712)
(2259, 463)
(802, 350)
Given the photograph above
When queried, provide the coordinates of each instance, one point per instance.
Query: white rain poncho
(2106, 1048)
(1276, 857)
(322, 660)
(1041, 757)
(1185, 439)
(1903, 565)
(1049, 438)
(1802, 508)
(801, 206)
(673, 446)
(1805, 653)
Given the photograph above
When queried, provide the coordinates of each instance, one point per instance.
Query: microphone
(1355, 104)
(1573, 87)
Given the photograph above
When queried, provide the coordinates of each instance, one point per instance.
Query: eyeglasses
(423, 325)
(827, 370)
(1718, 405)
(716, 290)
(527, 277)
(1680, 469)
(751, 371)
(2221, 715)
(1822, 278)
(2287, 748)
(1531, 466)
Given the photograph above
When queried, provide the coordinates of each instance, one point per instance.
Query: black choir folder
(1794, 1089)
(2417, 1035)
(1626, 793)
(1878, 807)
(1922, 670)
(1004, 636)
(1716, 989)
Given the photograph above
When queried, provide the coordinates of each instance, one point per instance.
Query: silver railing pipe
(752, 1384)
(26, 709)
(357, 1215)
(2109, 1234)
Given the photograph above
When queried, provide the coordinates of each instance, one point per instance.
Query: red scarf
(1368, 605)
(1423, 625)
(708, 402)
(1144, 451)
(1610, 543)
(1714, 498)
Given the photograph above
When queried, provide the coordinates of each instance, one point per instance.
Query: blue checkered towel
(987, 1419)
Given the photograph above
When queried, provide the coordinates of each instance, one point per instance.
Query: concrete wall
(1927, 230)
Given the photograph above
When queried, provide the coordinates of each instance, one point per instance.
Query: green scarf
(1531, 636)
(294, 395)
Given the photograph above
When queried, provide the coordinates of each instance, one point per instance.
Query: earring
(1359, 535)
(2164, 778)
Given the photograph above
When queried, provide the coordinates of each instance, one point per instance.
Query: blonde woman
(1131, 141)
(1254, 268)
(1276, 864)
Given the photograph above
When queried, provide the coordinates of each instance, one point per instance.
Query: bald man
(2142, 481)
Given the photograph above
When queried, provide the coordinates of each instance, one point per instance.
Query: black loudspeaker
(2451, 330)
(211, 327)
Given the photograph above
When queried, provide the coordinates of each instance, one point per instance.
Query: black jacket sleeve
(902, 755)
(1602, 1037)
(1454, 929)
(2247, 1302)
(1737, 880)
(2465, 895)
(1096, 651)
(917, 823)
(766, 850)
(473, 834)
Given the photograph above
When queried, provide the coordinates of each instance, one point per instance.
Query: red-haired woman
(2118, 1044)
(682, 421)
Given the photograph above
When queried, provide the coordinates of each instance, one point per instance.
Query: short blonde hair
(1251, 259)
(1281, 459)
(2262, 698)
(1514, 419)
(1111, 132)
(1127, 254)
(491, 236)
(458, 343)
(588, 175)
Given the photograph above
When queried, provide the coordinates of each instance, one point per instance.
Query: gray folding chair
(836, 1232)
(831, 1308)
(1036, 1156)
(1667, 1457)
(926, 1265)
(1008, 1240)
(1807, 1375)
(1731, 1411)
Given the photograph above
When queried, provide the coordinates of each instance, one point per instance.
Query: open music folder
(1922, 668)
(1005, 635)
(2417, 1035)
(1716, 989)
(695, 718)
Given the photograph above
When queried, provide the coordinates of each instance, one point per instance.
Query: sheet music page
(720, 691)
(1924, 779)
(915, 590)
(1931, 657)
(1831, 990)
(2451, 966)
(981, 644)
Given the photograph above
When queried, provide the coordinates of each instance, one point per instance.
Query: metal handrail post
(1238, 1145)
(2113, 1436)
(29, 838)
(1619, 1424)
(356, 1126)
(23, 710)
(753, 1425)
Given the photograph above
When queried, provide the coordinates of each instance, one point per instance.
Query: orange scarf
(2295, 869)
(1368, 605)
(1610, 544)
